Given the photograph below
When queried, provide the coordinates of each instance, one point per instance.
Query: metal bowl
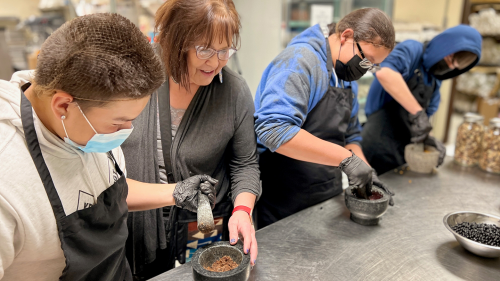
(207, 255)
(479, 249)
(366, 212)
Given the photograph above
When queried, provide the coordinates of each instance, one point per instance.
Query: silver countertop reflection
(410, 243)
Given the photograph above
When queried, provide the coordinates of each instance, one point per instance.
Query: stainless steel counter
(410, 243)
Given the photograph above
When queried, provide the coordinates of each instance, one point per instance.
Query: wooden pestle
(204, 214)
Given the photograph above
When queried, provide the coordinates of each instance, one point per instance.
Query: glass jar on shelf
(469, 136)
(490, 158)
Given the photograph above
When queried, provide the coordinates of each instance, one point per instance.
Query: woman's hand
(240, 223)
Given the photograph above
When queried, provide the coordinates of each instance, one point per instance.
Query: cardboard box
(488, 108)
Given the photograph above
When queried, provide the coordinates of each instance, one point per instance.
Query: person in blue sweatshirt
(306, 114)
(405, 93)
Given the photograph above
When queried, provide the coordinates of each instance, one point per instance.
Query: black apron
(290, 185)
(387, 131)
(177, 219)
(92, 239)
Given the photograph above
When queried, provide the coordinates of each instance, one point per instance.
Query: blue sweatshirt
(409, 55)
(291, 86)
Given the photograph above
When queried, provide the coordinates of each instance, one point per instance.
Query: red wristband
(242, 208)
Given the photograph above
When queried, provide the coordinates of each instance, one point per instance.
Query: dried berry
(375, 194)
(488, 234)
(223, 264)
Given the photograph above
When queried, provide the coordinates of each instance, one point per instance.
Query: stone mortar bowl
(420, 158)
(366, 212)
(209, 254)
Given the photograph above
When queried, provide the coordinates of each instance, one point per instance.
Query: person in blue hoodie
(306, 114)
(405, 93)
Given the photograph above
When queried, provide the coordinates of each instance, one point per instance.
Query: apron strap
(415, 83)
(329, 61)
(166, 145)
(166, 128)
(325, 30)
(36, 155)
(117, 167)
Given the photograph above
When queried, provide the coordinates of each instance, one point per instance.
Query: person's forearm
(246, 199)
(147, 196)
(358, 151)
(396, 86)
(306, 147)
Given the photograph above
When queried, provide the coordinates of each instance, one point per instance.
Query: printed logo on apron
(85, 200)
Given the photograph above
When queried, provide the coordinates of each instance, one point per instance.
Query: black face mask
(442, 72)
(351, 70)
(440, 68)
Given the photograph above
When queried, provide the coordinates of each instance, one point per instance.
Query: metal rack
(296, 13)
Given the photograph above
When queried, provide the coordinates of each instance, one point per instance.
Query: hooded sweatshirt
(409, 55)
(291, 86)
(30, 248)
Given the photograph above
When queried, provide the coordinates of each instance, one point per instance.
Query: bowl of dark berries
(363, 211)
(478, 233)
(221, 261)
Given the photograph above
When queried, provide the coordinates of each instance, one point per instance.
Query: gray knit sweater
(215, 137)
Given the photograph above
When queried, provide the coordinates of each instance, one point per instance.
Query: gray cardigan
(215, 137)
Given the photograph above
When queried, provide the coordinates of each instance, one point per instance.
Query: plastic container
(469, 136)
(490, 158)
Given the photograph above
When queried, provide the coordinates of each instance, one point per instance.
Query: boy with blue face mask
(64, 198)
(101, 143)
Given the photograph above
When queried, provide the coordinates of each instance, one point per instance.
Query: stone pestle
(204, 214)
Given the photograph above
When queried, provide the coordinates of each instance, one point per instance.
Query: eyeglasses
(205, 53)
(365, 63)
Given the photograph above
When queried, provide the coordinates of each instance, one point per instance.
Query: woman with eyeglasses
(306, 114)
(405, 93)
(199, 122)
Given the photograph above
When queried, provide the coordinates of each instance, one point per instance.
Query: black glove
(358, 173)
(419, 126)
(382, 186)
(186, 192)
(432, 141)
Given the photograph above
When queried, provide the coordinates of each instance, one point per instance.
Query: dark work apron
(92, 239)
(178, 219)
(289, 185)
(387, 131)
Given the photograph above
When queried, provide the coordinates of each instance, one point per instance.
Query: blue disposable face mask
(99, 143)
